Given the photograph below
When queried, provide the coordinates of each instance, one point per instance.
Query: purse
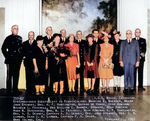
(77, 70)
(108, 65)
(36, 75)
(91, 68)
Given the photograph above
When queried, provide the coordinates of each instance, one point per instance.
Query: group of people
(58, 61)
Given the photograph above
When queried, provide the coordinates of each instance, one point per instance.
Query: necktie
(129, 41)
(30, 42)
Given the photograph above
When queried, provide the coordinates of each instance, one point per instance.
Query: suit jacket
(129, 53)
(99, 41)
(64, 42)
(81, 50)
(27, 51)
(142, 45)
(46, 40)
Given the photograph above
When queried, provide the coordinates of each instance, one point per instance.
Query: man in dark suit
(98, 41)
(48, 37)
(129, 59)
(81, 44)
(28, 63)
(11, 50)
(63, 38)
(142, 45)
(95, 33)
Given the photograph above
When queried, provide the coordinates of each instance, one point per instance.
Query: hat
(89, 35)
(118, 32)
(56, 34)
(103, 35)
(39, 38)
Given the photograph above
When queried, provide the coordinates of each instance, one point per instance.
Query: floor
(139, 106)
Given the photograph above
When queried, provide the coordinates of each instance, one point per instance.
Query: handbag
(91, 68)
(77, 70)
(109, 65)
(36, 75)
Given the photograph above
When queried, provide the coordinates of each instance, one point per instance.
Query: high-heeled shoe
(42, 93)
(61, 93)
(103, 90)
(37, 93)
(56, 93)
(118, 89)
(92, 92)
(114, 88)
(73, 93)
(108, 90)
(70, 93)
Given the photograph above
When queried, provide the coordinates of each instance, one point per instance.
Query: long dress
(40, 57)
(90, 55)
(72, 61)
(57, 63)
(118, 70)
(106, 52)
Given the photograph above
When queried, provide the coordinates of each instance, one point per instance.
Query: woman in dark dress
(58, 55)
(91, 70)
(40, 65)
(118, 70)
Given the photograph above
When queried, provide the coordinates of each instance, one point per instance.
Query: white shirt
(30, 42)
(137, 38)
(63, 39)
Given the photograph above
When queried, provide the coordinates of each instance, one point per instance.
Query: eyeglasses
(16, 28)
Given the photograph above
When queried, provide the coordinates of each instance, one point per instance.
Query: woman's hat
(55, 35)
(103, 35)
(89, 35)
(118, 32)
(39, 38)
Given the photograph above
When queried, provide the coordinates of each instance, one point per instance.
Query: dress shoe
(114, 88)
(132, 91)
(96, 92)
(8, 93)
(81, 92)
(125, 91)
(88, 91)
(141, 89)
